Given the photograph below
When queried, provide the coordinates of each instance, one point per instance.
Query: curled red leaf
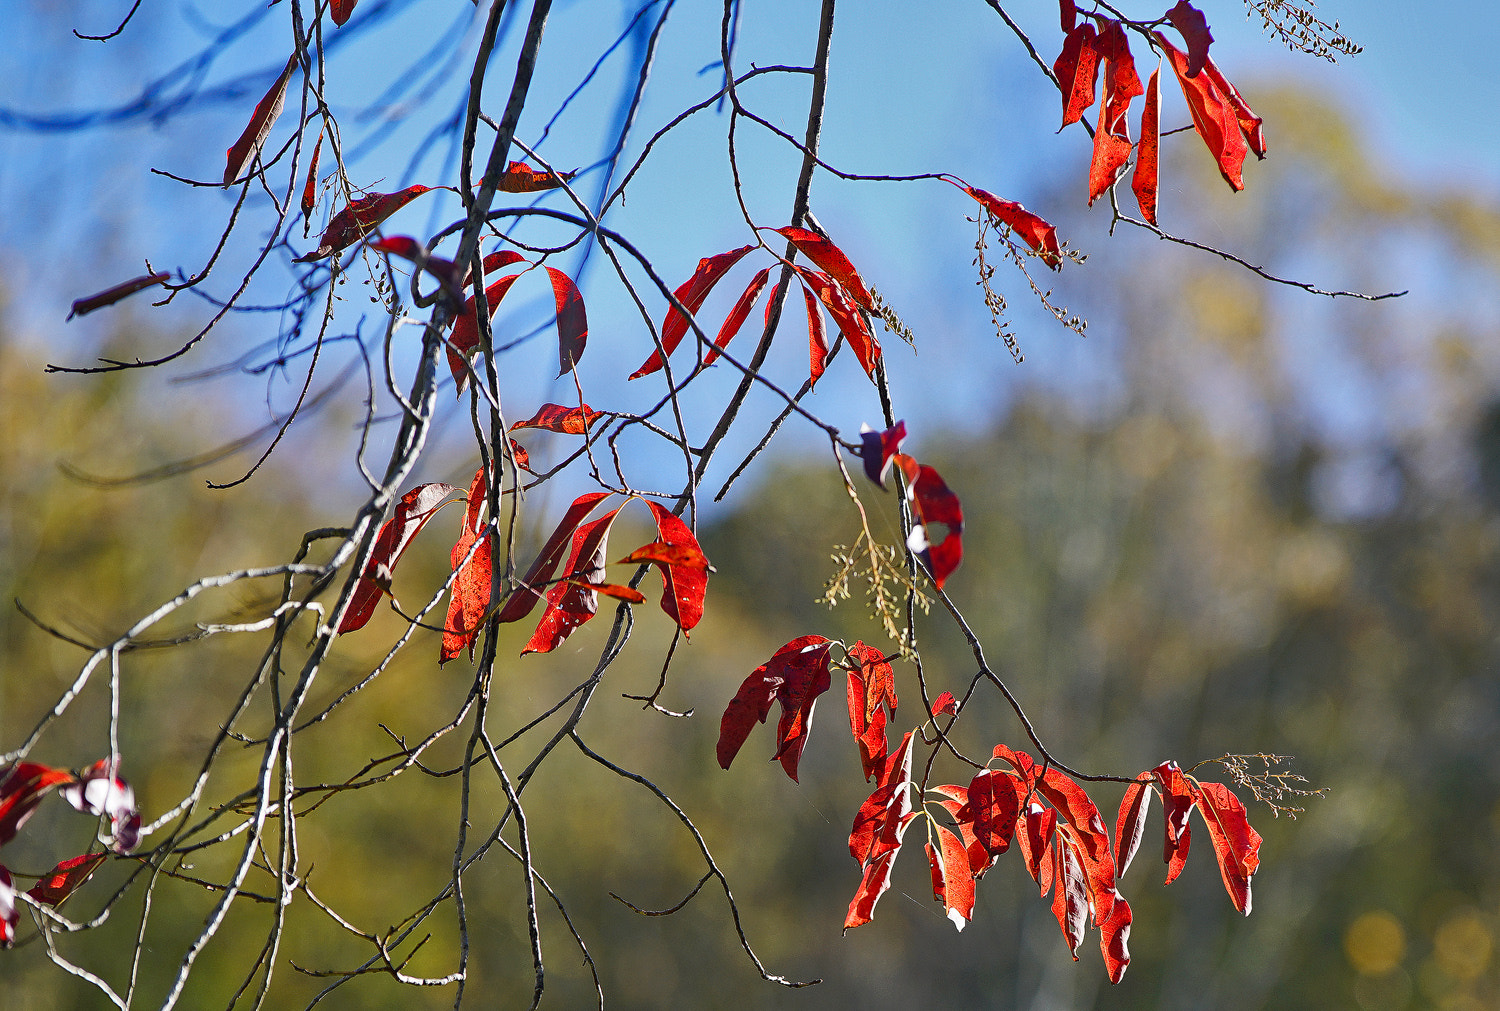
(1077, 70)
(100, 791)
(945, 705)
(574, 600)
(522, 178)
(1148, 152)
(662, 553)
(879, 827)
(691, 294)
(952, 878)
(572, 320)
(878, 449)
(22, 787)
(358, 219)
(109, 296)
(564, 420)
(58, 883)
(832, 261)
(933, 502)
(340, 10)
(1190, 21)
(794, 677)
(244, 151)
(685, 583)
(310, 188)
(738, 314)
(1236, 844)
(1130, 826)
(1112, 145)
(473, 568)
(1030, 228)
(526, 595)
(1222, 122)
(851, 322)
(872, 684)
(413, 511)
(817, 337)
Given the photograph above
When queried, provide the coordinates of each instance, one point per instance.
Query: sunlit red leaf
(101, 792)
(614, 590)
(806, 676)
(877, 449)
(572, 321)
(683, 584)
(22, 787)
(244, 150)
(522, 178)
(58, 883)
(340, 10)
(530, 591)
(832, 261)
(413, 511)
(691, 294)
(1112, 144)
(564, 420)
(310, 188)
(1251, 125)
(574, 601)
(464, 340)
(817, 337)
(872, 885)
(738, 314)
(994, 804)
(1130, 827)
(1114, 938)
(850, 320)
(1214, 117)
(1034, 834)
(788, 677)
(878, 829)
(473, 568)
(109, 296)
(1148, 152)
(1077, 69)
(945, 705)
(1190, 21)
(1236, 844)
(957, 805)
(522, 458)
(952, 880)
(1070, 901)
(933, 502)
(1030, 228)
(446, 271)
(663, 553)
(1177, 799)
(361, 217)
(871, 683)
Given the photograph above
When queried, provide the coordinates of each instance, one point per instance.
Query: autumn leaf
(244, 151)
(1148, 154)
(1131, 824)
(109, 296)
(691, 294)
(878, 449)
(794, 677)
(527, 594)
(1190, 21)
(1068, 14)
(447, 272)
(573, 601)
(340, 10)
(1030, 228)
(309, 189)
(933, 502)
(1216, 119)
(101, 792)
(876, 836)
(832, 261)
(994, 805)
(473, 568)
(413, 511)
(564, 420)
(522, 178)
(850, 320)
(1252, 127)
(817, 337)
(871, 684)
(662, 553)
(1077, 70)
(684, 584)
(737, 315)
(464, 340)
(945, 705)
(572, 321)
(358, 219)
(58, 883)
(1112, 145)
(952, 880)
(956, 803)
(1236, 844)
(22, 787)
(614, 590)
(1034, 831)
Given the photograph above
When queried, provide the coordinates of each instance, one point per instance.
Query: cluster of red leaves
(572, 598)
(98, 791)
(836, 288)
(931, 500)
(1099, 49)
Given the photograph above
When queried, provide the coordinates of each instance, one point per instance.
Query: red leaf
(22, 787)
(526, 595)
(9, 915)
(1068, 12)
(522, 458)
(738, 315)
(806, 676)
(1112, 144)
(668, 554)
(691, 294)
(957, 805)
(1077, 69)
(1251, 125)
(817, 337)
(876, 879)
(1114, 938)
(1236, 844)
(1215, 119)
(933, 502)
(877, 449)
(1031, 229)
(446, 271)
(357, 220)
(880, 819)
(768, 683)
(413, 511)
(952, 880)
(501, 258)
(1190, 21)
(464, 340)
(58, 883)
(994, 804)
(945, 705)
(832, 261)
(1034, 832)
(522, 178)
(1148, 153)
(341, 9)
(109, 296)
(310, 188)
(564, 420)
(244, 150)
(684, 584)
(1178, 798)
(572, 321)
(615, 590)
(1070, 901)
(100, 791)
(1131, 824)
(574, 601)
(850, 320)
(469, 594)
(871, 683)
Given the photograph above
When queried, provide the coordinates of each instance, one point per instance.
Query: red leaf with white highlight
(1216, 119)
(691, 294)
(100, 791)
(22, 787)
(1145, 181)
(522, 178)
(933, 502)
(413, 511)
(563, 420)
(245, 150)
(832, 261)
(1030, 228)
(952, 880)
(360, 218)
(794, 677)
(574, 601)
(872, 684)
(684, 584)
(310, 188)
(58, 883)
(572, 321)
(1190, 21)
(738, 315)
(878, 449)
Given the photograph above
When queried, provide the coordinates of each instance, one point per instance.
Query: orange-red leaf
(22, 787)
(1251, 125)
(872, 885)
(1148, 153)
(522, 178)
(613, 590)
(310, 188)
(572, 321)
(691, 294)
(738, 314)
(1177, 800)
(530, 591)
(832, 261)
(244, 150)
(446, 271)
(574, 600)
(358, 219)
(1077, 70)
(1214, 117)
(565, 420)
(1114, 938)
(871, 684)
(850, 320)
(684, 584)
(817, 337)
(58, 883)
(945, 705)
(1112, 144)
(413, 511)
(1031, 229)
(1236, 844)
(933, 502)
(109, 296)
(341, 9)
(464, 340)
(663, 553)
(473, 567)
(994, 805)
(1190, 21)
(880, 819)
(952, 879)
(794, 677)
(1130, 826)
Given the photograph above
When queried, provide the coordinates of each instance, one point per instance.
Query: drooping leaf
(448, 273)
(738, 315)
(1114, 938)
(832, 261)
(1190, 21)
(877, 449)
(1236, 844)
(933, 502)
(806, 676)
(573, 600)
(522, 178)
(1252, 127)
(101, 792)
(464, 340)
(564, 420)
(614, 590)
(1112, 145)
(1070, 901)
(952, 880)
(766, 684)
(817, 337)
(691, 294)
(310, 188)
(684, 584)
(530, 591)
(1077, 70)
(1068, 14)
(522, 458)
(572, 321)
(341, 10)
(413, 511)
(109, 296)
(994, 805)
(358, 219)
(1145, 181)
(1216, 121)
(1034, 832)
(957, 805)
(473, 567)
(58, 883)
(871, 683)
(1032, 230)
(22, 787)
(876, 836)
(1130, 827)
(662, 553)
(872, 885)
(244, 151)
(1177, 799)
(862, 340)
